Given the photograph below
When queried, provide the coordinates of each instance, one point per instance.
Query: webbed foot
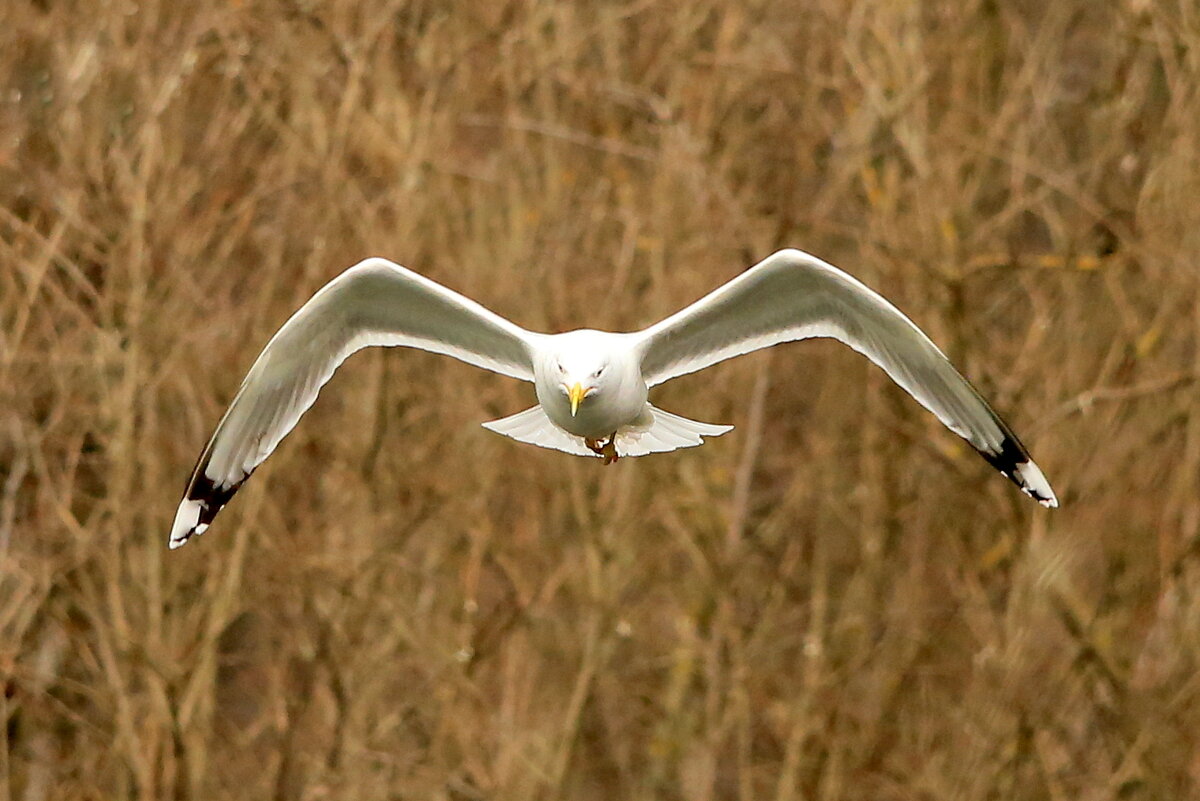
(606, 447)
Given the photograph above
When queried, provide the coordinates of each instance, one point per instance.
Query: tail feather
(532, 426)
(655, 431)
(665, 432)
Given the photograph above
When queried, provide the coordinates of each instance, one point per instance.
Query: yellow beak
(576, 393)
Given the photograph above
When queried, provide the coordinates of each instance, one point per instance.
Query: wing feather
(374, 302)
(792, 295)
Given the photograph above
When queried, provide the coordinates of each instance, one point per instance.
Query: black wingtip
(201, 503)
(1015, 463)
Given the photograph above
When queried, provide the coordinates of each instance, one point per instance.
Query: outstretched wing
(374, 302)
(792, 295)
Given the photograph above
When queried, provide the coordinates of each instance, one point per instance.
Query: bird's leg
(606, 447)
(609, 451)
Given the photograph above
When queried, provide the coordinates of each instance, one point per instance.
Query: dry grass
(838, 601)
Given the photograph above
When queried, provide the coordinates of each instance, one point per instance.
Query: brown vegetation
(836, 601)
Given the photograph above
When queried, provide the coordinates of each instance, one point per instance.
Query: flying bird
(591, 385)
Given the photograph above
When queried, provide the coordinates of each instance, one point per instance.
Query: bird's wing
(792, 295)
(374, 302)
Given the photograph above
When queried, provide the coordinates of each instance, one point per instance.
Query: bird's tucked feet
(606, 447)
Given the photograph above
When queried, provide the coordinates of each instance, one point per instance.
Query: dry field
(836, 601)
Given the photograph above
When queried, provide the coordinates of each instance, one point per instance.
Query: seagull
(591, 385)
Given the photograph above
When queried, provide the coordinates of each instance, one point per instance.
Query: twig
(745, 474)
(611, 146)
(1083, 402)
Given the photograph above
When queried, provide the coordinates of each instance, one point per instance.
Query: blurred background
(838, 600)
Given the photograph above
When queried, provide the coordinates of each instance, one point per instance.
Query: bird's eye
(597, 373)
(560, 367)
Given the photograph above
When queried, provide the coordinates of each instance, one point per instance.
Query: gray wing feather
(374, 302)
(792, 295)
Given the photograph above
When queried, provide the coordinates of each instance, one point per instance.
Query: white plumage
(591, 385)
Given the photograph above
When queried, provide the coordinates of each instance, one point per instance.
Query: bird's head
(581, 376)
